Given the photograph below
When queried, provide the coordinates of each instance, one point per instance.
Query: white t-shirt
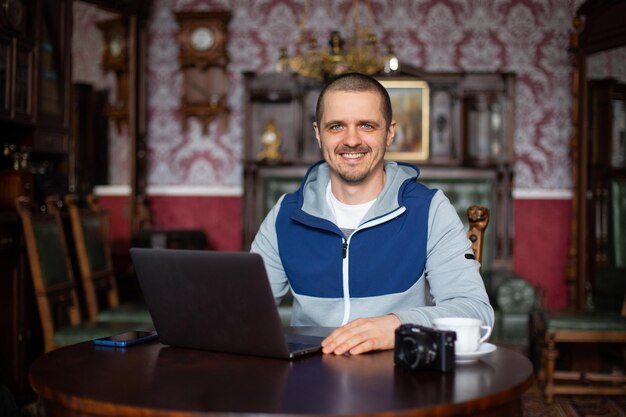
(347, 216)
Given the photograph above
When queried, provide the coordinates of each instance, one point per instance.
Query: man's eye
(334, 127)
(367, 126)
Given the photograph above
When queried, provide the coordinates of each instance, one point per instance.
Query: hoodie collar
(313, 189)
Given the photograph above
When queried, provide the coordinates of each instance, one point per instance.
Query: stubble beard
(353, 175)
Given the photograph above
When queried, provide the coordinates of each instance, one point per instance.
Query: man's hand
(363, 335)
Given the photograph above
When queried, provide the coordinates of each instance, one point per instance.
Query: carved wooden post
(575, 269)
(478, 218)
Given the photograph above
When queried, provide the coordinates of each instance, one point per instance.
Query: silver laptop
(219, 301)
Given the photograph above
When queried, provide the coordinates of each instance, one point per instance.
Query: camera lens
(418, 350)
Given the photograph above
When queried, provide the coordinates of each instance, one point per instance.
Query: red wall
(219, 217)
(541, 244)
(120, 231)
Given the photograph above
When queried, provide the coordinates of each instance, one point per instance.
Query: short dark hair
(355, 81)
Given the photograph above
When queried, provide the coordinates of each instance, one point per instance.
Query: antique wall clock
(203, 60)
(115, 58)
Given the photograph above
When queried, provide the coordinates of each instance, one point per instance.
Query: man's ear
(317, 134)
(391, 131)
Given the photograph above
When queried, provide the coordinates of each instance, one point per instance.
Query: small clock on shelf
(115, 58)
(270, 139)
(203, 60)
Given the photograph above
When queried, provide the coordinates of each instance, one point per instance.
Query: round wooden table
(157, 380)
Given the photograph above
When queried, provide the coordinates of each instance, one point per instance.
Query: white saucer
(484, 349)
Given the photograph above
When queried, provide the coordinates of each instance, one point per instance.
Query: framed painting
(411, 110)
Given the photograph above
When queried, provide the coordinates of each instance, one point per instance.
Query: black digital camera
(423, 348)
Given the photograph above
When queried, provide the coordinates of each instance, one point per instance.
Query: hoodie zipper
(346, 257)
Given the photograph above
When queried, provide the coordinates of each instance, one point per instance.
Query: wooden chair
(53, 280)
(599, 326)
(90, 229)
(512, 296)
(478, 219)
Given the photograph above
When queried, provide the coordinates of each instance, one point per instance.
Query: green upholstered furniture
(89, 225)
(53, 280)
(513, 299)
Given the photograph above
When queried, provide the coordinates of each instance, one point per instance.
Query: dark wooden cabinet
(34, 99)
(34, 90)
(596, 261)
(607, 171)
(44, 150)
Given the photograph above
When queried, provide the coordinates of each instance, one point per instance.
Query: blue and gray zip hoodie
(410, 255)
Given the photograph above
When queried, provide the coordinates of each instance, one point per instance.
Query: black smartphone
(127, 338)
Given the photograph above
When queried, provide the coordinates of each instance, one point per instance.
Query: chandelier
(359, 52)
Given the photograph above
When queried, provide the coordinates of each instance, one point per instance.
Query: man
(361, 244)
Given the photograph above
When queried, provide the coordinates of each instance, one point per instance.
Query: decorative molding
(200, 191)
(237, 191)
(112, 190)
(173, 191)
(540, 194)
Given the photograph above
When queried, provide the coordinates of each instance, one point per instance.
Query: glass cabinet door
(484, 116)
(23, 81)
(5, 76)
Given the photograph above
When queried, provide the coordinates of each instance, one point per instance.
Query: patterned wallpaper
(527, 37)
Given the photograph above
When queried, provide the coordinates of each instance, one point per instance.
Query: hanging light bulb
(391, 61)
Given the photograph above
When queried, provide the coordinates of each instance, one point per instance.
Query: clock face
(116, 46)
(268, 138)
(202, 39)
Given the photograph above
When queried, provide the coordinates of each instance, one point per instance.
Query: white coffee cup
(468, 332)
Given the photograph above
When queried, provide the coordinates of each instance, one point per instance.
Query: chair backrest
(478, 219)
(51, 270)
(90, 229)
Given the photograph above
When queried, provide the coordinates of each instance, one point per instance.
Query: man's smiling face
(353, 135)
